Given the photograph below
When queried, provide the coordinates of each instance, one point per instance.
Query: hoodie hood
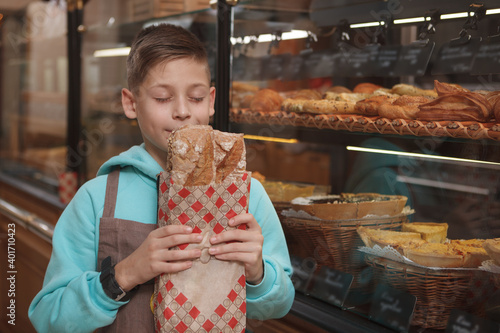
(137, 157)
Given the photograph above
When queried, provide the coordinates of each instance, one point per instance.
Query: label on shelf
(331, 286)
(487, 60)
(392, 308)
(413, 59)
(463, 322)
(454, 58)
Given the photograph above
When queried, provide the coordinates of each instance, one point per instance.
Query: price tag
(293, 68)
(273, 66)
(487, 59)
(463, 322)
(387, 58)
(361, 62)
(392, 308)
(319, 64)
(331, 286)
(303, 270)
(455, 59)
(413, 59)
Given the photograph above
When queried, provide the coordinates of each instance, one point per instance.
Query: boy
(114, 215)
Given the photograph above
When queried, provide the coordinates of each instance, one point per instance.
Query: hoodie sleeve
(273, 297)
(72, 298)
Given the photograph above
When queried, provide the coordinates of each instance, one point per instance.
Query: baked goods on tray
(350, 206)
(435, 255)
(430, 232)
(396, 239)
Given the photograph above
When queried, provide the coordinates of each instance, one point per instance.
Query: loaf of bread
(266, 100)
(199, 155)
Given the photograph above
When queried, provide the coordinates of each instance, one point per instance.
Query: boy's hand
(153, 256)
(243, 245)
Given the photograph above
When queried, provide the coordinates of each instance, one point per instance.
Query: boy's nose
(181, 111)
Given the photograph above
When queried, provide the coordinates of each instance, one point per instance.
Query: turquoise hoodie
(72, 298)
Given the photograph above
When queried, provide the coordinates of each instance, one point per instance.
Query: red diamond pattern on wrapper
(169, 300)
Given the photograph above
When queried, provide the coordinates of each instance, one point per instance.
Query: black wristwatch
(109, 284)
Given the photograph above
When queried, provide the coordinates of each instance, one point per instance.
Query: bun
(366, 88)
(307, 94)
(266, 100)
(199, 155)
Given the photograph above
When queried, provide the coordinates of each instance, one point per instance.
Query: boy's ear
(212, 101)
(128, 103)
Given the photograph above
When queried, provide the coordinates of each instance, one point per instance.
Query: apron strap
(111, 193)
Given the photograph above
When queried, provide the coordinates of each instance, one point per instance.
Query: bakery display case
(386, 98)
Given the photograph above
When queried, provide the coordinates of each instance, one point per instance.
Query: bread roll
(366, 88)
(266, 100)
(406, 89)
(307, 94)
(328, 106)
(199, 155)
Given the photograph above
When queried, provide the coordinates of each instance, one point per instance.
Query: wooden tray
(357, 123)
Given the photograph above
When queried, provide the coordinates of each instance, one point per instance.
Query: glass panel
(112, 26)
(34, 94)
(447, 170)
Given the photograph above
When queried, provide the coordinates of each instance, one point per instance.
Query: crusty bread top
(199, 155)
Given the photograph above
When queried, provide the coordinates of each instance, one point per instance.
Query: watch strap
(110, 285)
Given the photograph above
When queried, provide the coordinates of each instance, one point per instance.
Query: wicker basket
(334, 243)
(437, 291)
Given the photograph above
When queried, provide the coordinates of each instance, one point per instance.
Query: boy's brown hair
(160, 43)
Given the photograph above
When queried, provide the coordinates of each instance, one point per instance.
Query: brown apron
(119, 238)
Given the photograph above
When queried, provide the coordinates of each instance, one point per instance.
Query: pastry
(307, 94)
(396, 239)
(403, 107)
(430, 232)
(266, 100)
(350, 206)
(492, 247)
(370, 106)
(458, 106)
(435, 255)
(472, 250)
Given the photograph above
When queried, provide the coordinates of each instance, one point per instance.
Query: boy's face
(173, 94)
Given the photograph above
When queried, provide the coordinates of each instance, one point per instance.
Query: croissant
(266, 100)
(460, 106)
(494, 99)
